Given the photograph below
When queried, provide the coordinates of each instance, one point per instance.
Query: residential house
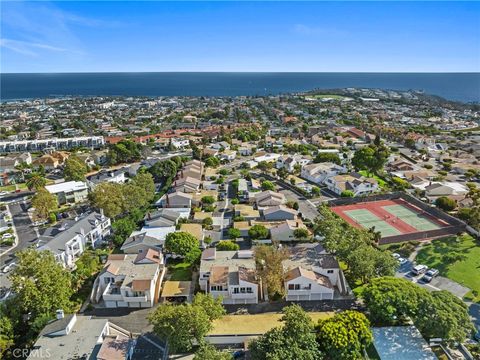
(187, 184)
(279, 212)
(130, 280)
(69, 192)
(227, 155)
(285, 230)
(179, 143)
(268, 198)
(353, 182)
(230, 275)
(69, 240)
(47, 161)
(312, 274)
(193, 229)
(319, 173)
(75, 336)
(177, 199)
(146, 238)
(246, 211)
(114, 176)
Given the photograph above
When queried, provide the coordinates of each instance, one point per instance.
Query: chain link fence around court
(452, 225)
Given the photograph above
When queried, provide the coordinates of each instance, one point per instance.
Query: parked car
(429, 275)
(239, 354)
(402, 261)
(396, 256)
(419, 269)
(9, 267)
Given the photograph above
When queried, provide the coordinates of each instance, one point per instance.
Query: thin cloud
(28, 48)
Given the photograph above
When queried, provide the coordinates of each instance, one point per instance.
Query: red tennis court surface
(390, 217)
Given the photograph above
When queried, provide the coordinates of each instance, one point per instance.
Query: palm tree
(36, 181)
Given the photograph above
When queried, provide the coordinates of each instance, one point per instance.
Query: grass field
(382, 183)
(180, 271)
(457, 259)
(255, 324)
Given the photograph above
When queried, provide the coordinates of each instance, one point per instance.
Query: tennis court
(367, 219)
(411, 217)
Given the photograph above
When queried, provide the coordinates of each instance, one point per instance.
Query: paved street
(306, 207)
(25, 232)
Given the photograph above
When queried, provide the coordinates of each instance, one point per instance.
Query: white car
(419, 269)
(7, 236)
(396, 256)
(3, 193)
(9, 267)
(402, 261)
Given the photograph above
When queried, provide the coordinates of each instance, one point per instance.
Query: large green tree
(40, 284)
(344, 336)
(354, 247)
(213, 307)
(75, 169)
(183, 325)
(445, 316)
(269, 264)
(180, 325)
(209, 352)
(36, 181)
(389, 299)
(44, 203)
(258, 232)
(294, 340)
(180, 243)
(109, 197)
(163, 170)
(371, 158)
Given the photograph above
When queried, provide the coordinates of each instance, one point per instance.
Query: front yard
(457, 258)
(381, 183)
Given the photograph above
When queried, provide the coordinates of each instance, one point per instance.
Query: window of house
(249, 290)
(291, 287)
(236, 290)
(243, 290)
(329, 271)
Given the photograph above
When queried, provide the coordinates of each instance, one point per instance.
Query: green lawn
(180, 271)
(382, 183)
(21, 186)
(457, 259)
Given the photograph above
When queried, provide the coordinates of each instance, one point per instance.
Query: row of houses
(309, 274)
(336, 179)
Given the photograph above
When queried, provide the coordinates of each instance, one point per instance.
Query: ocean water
(453, 86)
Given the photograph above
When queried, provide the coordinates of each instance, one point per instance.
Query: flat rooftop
(401, 343)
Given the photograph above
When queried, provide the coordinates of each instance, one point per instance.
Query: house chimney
(82, 231)
(102, 214)
(60, 314)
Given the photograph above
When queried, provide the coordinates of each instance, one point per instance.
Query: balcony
(112, 292)
(142, 298)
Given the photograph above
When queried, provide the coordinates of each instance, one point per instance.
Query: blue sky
(240, 36)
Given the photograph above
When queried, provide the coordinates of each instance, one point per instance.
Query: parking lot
(437, 283)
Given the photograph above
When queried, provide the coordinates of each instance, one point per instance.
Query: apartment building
(68, 241)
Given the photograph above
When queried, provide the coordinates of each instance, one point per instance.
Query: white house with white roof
(69, 192)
